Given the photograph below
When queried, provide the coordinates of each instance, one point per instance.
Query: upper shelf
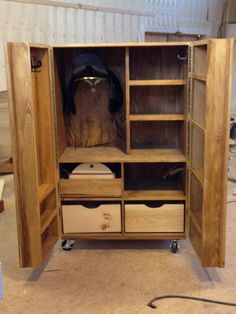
(114, 154)
(156, 117)
(156, 82)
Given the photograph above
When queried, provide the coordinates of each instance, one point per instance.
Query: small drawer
(91, 187)
(92, 219)
(165, 218)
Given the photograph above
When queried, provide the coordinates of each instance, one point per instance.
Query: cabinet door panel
(31, 119)
(213, 134)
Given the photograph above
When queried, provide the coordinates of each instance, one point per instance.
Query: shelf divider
(156, 82)
(157, 117)
(173, 195)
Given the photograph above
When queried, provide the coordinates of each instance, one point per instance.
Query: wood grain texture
(141, 218)
(157, 117)
(91, 187)
(114, 154)
(216, 148)
(80, 219)
(24, 154)
(156, 82)
(154, 195)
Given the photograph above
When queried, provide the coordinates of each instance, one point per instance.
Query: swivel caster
(174, 246)
(67, 245)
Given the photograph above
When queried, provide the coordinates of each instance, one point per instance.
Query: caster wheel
(67, 245)
(174, 246)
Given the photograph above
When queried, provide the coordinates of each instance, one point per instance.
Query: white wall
(46, 24)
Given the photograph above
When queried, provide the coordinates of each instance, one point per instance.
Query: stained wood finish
(141, 218)
(33, 152)
(104, 218)
(210, 243)
(91, 187)
(24, 154)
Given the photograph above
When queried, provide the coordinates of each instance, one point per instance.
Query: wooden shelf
(174, 195)
(114, 154)
(199, 175)
(46, 218)
(156, 117)
(44, 190)
(156, 82)
(199, 77)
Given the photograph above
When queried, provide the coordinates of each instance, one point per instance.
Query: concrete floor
(106, 277)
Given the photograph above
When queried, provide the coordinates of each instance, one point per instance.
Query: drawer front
(167, 218)
(91, 187)
(81, 219)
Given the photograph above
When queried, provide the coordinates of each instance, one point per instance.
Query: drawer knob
(104, 226)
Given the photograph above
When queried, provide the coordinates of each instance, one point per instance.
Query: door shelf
(169, 195)
(156, 82)
(44, 190)
(157, 117)
(199, 77)
(196, 218)
(46, 218)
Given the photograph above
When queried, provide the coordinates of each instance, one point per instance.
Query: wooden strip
(130, 236)
(156, 82)
(198, 176)
(45, 190)
(157, 117)
(199, 77)
(200, 42)
(154, 195)
(87, 7)
(129, 44)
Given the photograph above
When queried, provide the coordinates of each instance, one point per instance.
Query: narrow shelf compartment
(171, 195)
(44, 190)
(156, 82)
(157, 134)
(154, 177)
(49, 237)
(157, 117)
(46, 218)
(199, 77)
(200, 59)
(165, 99)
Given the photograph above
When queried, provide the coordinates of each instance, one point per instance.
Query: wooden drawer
(166, 218)
(81, 219)
(91, 187)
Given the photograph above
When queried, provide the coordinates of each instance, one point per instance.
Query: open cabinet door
(33, 146)
(210, 89)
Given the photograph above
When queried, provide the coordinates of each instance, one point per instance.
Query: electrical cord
(153, 306)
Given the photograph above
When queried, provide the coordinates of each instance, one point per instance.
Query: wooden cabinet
(167, 146)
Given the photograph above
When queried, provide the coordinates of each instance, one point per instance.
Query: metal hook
(36, 65)
(182, 59)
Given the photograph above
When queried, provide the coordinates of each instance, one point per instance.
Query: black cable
(153, 306)
(231, 202)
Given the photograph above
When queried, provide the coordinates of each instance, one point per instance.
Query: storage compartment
(154, 176)
(161, 134)
(94, 183)
(154, 217)
(91, 217)
(157, 99)
(199, 102)
(197, 152)
(158, 63)
(200, 59)
(93, 124)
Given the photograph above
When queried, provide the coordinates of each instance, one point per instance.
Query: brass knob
(104, 226)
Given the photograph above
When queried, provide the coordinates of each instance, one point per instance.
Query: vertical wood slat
(216, 147)
(127, 99)
(24, 154)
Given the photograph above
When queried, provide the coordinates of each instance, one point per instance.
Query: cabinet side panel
(24, 153)
(216, 147)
